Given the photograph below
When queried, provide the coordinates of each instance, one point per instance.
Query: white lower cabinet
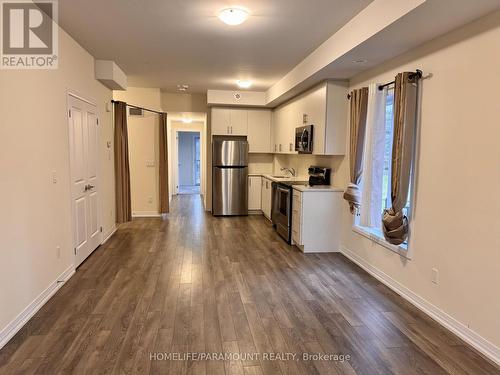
(266, 197)
(254, 193)
(316, 220)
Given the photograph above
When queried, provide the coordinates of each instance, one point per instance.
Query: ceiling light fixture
(233, 16)
(244, 84)
(182, 87)
(187, 120)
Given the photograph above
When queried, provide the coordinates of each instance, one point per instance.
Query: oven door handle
(283, 190)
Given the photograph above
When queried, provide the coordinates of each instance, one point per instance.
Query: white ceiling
(163, 43)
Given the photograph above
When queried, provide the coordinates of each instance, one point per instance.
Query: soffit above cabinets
(110, 75)
(383, 30)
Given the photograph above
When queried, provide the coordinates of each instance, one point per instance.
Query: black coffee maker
(319, 176)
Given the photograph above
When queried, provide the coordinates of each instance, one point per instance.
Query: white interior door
(84, 158)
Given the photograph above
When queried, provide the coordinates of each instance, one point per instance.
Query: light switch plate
(435, 276)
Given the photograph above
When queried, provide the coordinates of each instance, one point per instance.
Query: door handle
(89, 187)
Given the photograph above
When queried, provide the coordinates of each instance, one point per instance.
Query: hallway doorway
(188, 147)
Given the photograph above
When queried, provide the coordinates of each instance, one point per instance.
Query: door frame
(75, 95)
(175, 154)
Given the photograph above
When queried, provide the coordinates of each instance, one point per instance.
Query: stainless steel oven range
(281, 213)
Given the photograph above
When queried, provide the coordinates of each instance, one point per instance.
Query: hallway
(195, 283)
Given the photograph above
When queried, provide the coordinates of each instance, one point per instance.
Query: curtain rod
(418, 73)
(135, 106)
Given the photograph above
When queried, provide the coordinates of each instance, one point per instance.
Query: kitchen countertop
(284, 178)
(302, 188)
(308, 188)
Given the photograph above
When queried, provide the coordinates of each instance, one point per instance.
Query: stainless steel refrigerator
(230, 176)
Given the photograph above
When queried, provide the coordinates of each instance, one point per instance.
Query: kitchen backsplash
(302, 162)
(260, 163)
(272, 164)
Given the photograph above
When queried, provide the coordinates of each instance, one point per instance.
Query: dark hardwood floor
(195, 284)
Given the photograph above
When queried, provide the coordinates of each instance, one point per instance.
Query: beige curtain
(394, 222)
(358, 108)
(164, 204)
(122, 169)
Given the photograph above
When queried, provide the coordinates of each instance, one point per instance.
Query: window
(382, 193)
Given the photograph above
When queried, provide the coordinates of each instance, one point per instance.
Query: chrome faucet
(289, 170)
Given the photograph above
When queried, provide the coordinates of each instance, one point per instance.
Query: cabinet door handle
(231, 130)
(228, 130)
(291, 146)
(280, 146)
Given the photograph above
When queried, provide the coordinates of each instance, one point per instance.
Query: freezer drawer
(230, 191)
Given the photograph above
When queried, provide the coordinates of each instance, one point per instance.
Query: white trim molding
(402, 250)
(109, 235)
(14, 326)
(146, 214)
(487, 348)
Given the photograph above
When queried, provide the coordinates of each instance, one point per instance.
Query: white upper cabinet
(253, 123)
(227, 121)
(221, 121)
(325, 107)
(259, 130)
(284, 122)
(239, 121)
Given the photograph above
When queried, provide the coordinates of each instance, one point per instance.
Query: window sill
(376, 236)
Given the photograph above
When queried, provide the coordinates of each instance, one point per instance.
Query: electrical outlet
(54, 177)
(435, 276)
(58, 252)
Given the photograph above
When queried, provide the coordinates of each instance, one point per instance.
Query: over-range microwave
(304, 139)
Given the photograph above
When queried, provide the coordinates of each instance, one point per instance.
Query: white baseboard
(471, 337)
(255, 212)
(146, 214)
(14, 326)
(109, 235)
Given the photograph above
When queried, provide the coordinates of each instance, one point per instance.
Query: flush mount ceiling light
(187, 120)
(244, 83)
(182, 87)
(233, 16)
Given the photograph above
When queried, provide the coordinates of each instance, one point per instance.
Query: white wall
(456, 223)
(34, 142)
(144, 154)
(143, 135)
